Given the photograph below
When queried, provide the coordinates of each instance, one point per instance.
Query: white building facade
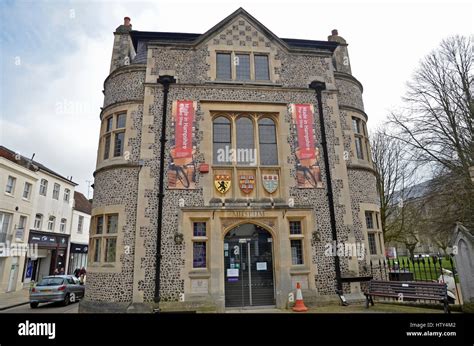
(79, 245)
(17, 203)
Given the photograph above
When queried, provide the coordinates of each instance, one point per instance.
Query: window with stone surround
(296, 241)
(240, 66)
(244, 139)
(374, 232)
(199, 240)
(372, 244)
(103, 238)
(113, 135)
(362, 147)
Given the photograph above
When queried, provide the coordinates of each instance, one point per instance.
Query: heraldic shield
(270, 182)
(222, 182)
(246, 183)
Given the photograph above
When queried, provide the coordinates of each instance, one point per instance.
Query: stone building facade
(256, 227)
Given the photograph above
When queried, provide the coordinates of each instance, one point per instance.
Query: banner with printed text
(308, 172)
(181, 169)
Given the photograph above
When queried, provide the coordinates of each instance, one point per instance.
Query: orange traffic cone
(299, 304)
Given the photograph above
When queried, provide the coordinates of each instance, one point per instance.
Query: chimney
(126, 21)
(334, 32)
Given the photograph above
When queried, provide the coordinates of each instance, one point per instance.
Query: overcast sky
(55, 56)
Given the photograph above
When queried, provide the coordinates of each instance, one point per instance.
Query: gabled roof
(29, 164)
(81, 203)
(195, 39)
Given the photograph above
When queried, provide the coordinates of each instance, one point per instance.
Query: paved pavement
(49, 308)
(12, 299)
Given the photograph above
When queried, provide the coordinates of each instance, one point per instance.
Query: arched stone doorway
(248, 263)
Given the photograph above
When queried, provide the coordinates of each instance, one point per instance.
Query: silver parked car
(56, 288)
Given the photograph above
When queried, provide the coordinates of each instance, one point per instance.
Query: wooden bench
(407, 291)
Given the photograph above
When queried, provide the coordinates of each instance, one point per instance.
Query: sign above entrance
(222, 182)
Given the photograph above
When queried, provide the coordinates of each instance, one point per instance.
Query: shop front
(50, 257)
(77, 257)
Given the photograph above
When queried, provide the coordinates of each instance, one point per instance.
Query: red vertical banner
(308, 172)
(181, 169)
(304, 126)
(184, 118)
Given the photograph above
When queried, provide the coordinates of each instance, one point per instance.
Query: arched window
(267, 141)
(245, 154)
(222, 142)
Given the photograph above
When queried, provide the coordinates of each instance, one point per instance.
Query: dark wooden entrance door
(248, 260)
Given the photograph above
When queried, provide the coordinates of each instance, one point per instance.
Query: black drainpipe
(165, 81)
(319, 87)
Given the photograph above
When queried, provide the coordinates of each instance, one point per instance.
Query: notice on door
(232, 273)
(261, 265)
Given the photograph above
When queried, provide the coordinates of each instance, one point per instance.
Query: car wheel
(34, 305)
(66, 300)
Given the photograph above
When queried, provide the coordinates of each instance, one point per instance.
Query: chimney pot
(126, 21)
(334, 32)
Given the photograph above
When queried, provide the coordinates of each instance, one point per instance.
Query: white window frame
(38, 221)
(62, 225)
(43, 191)
(10, 187)
(67, 194)
(27, 190)
(80, 223)
(51, 223)
(56, 190)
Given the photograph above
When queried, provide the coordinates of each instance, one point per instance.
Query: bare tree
(394, 176)
(437, 125)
